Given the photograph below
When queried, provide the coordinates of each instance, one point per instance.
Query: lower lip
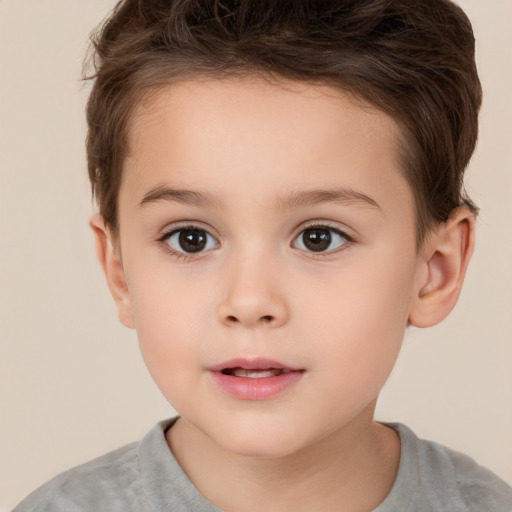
(265, 388)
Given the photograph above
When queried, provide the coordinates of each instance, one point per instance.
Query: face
(267, 238)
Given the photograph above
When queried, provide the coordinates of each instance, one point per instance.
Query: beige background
(72, 383)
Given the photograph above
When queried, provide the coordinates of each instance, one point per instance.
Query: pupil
(192, 240)
(316, 239)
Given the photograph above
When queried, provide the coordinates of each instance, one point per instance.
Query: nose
(254, 296)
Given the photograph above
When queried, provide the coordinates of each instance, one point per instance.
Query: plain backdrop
(72, 384)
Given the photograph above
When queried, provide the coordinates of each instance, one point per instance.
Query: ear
(112, 265)
(443, 263)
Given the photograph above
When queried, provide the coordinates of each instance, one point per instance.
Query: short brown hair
(412, 59)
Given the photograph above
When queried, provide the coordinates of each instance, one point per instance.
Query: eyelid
(324, 224)
(169, 229)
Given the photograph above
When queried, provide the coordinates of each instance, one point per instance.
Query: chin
(260, 441)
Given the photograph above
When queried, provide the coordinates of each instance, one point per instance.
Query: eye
(320, 239)
(191, 240)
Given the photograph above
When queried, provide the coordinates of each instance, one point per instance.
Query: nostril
(265, 319)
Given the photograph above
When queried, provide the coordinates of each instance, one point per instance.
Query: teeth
(258, 374)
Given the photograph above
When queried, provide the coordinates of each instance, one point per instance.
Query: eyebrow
(291, 201)
(190, 197)
(313, 197)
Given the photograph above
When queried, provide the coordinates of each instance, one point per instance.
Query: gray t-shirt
(145, 477)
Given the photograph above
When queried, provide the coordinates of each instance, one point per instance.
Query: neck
(352, 469)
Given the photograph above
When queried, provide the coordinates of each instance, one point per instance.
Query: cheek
(169, 318)
(360, 322)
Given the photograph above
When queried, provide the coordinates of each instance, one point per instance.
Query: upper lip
(251, 364)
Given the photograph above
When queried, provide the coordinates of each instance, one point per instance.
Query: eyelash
(325, 226)
(180, 256)
(185, 257)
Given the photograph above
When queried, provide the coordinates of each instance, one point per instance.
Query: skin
(256, 151)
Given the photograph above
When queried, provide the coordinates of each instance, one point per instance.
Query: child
(280, 195)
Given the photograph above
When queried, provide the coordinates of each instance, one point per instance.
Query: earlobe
(444, 261)
(112, 266)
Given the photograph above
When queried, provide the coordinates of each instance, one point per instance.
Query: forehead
(221, 134)
(228, 104)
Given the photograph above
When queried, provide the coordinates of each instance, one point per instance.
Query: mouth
(254, 379)
(253, 368)
(255, 374)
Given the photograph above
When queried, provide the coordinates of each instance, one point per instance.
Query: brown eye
(316, 239)
(191, 240)
(320, 239)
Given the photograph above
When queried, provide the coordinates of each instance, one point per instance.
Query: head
(280, 186)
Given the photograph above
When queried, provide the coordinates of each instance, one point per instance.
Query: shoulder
(450, 480)
(138, 477)
(95, 485)
(478, 487)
